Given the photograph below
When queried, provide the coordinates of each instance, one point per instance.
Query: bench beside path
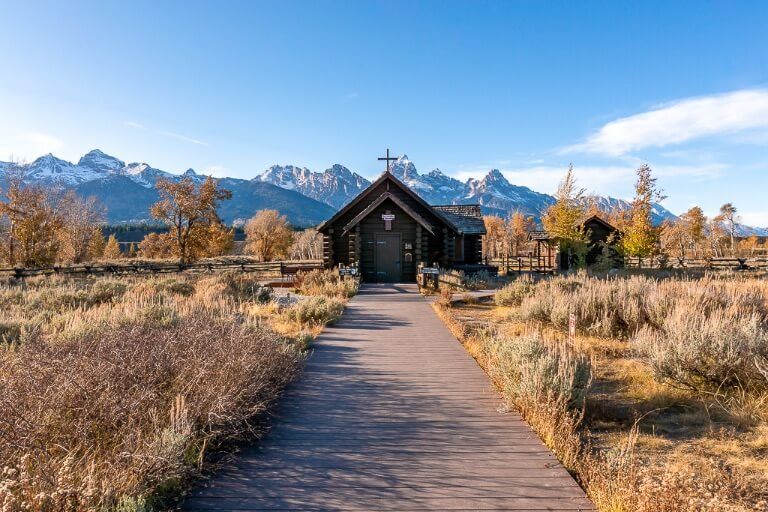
(391, 413)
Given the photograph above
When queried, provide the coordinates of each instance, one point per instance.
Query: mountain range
(494, 193)
(305, 197)
(128, 190)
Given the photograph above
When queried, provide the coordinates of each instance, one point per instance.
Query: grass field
(114, 392)
(660, 403)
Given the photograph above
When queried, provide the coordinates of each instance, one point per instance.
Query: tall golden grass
(112, 392)
(700, 336)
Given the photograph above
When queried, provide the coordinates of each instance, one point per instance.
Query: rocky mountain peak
(404, 170)
(99, 161)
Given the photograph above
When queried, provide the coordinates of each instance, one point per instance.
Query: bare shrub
(619, 307)
(514, 293)
(116, 414)
(706, 352)
(244, 286)
(313, 311)
(326, 283)
(444, 298)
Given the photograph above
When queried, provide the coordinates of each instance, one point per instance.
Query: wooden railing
(527, 263)
(271, 269)
(697, 263)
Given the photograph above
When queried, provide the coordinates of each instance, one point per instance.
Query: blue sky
(527, 87)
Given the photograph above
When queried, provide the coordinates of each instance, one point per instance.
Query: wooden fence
(268, 269)
(526, 263)
(698, 263)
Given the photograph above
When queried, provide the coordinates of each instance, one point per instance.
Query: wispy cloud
(165, 133)
(680, 121)
(133, 124)
(182, 138)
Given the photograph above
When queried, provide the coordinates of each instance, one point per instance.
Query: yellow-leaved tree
(562, 220)
(112, 249)
(80, 235)
(519, 227)
(189, 211)
(29, 222)
(268, 235)
(641, 237)
(495, 236)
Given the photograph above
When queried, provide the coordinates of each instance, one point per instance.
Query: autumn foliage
(189, 211)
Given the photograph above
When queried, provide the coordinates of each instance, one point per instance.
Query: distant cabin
(601, 234)
(602, 237)
(388, 231)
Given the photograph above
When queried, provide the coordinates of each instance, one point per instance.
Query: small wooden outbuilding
(388, 231)
(601, 234)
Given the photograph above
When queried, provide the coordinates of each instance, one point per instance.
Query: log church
(388, 231)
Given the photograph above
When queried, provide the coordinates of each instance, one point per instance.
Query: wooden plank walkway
(391, 413)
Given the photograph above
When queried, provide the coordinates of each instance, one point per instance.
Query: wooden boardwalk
(392, 414)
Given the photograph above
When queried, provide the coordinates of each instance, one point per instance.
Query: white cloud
(29, 145)
(133, 124)
(680, 121)
(164, 133)
(183, 138)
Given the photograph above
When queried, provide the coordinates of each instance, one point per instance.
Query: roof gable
(383, 197)
(387, 176)
(599, 220)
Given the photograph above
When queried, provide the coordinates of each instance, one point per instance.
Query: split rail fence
(277, 269)
(698, 263)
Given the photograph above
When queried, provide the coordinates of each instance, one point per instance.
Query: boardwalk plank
(392, 414)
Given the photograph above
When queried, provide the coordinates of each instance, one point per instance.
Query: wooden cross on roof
(388, 159)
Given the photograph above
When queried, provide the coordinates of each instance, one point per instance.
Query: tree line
(42, 226)
(691, 235)
(45, 225)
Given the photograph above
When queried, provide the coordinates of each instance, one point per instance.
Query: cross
(387, 158)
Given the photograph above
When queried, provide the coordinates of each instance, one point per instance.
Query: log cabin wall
(425, 236)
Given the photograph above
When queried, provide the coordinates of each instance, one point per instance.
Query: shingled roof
(466, 217)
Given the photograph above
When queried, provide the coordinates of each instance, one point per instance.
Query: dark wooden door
(388, 265)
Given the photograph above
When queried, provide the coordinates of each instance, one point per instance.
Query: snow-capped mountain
(435, 187)
(497, 195)
(128, 190)
(94, 165)
(608, 203)
(334, 186)
(306, 197)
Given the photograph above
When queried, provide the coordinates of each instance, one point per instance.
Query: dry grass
(636, 439)
(115, 390)
(326, 283)
(514, 293)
